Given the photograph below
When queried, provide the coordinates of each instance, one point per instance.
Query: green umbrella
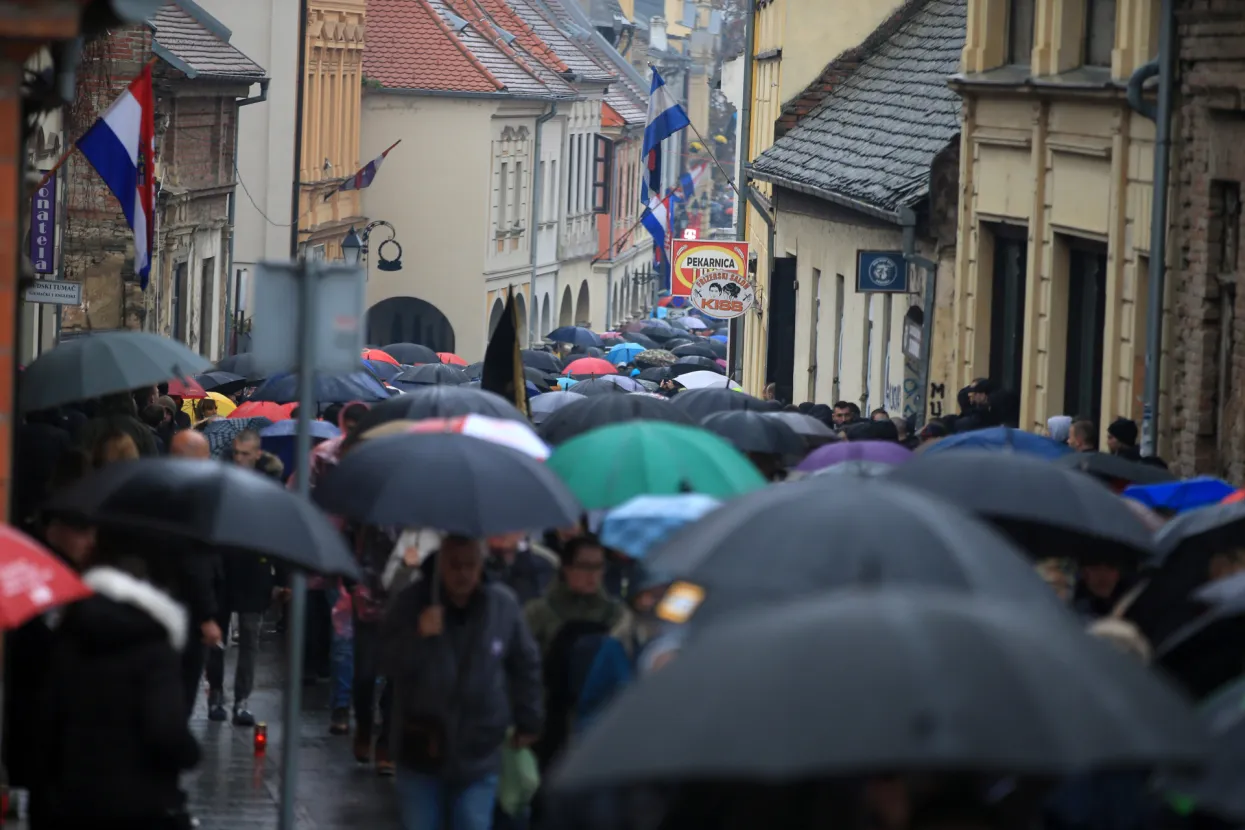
(607, 466)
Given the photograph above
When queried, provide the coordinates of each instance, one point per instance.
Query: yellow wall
(811, 34)
(1066, 168)
(331, 118)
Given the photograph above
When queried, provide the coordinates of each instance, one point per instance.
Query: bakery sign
(691, 259)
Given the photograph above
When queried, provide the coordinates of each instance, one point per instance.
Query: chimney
(657, 35)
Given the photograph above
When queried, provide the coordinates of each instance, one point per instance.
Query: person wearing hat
(1122, 439)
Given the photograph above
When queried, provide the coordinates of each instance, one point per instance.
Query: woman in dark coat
(112, 716)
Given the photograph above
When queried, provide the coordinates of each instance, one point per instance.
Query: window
(603, 168)
(1087, 296)
(553, 189)
(1020, 32)
(544, 184)
(1007, 307)
(1099, 32)
(572, 182)
(503, 171)
(516, 212)
(207, 279)
(177, 302)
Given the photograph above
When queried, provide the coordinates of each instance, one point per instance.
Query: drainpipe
(231, 296)
(538, 192)
(1163, 67)
(738, 325)
(907, 218)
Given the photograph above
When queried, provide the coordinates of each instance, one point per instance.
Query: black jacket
(112, 714)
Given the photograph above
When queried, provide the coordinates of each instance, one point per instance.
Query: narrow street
(233, 790)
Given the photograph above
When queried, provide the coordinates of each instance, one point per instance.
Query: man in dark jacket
(117, 413)
(466, 670)
(527, 572)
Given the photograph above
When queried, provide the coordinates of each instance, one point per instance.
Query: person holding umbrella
(465, 667)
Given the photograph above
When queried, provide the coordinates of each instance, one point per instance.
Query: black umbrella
(601, 410)
(1112, 468)
(656, 374)
(575, 335)
(541, 380)
(606, 385)
(474, 370)
(685, 367)
(543, 406)
(694, 350)
(698, 403)
(215, 504)
(812, 431)
(448, 482)
(794, 539)
(430, 374)
(584, 351)
(1048, 510)
(644, 340)
(411, 353)
(354, 386)
(546, 362)
(661, 334)
(243, 364)
(870, 682)
(440, 402)
(680, 339)
(221, 382)
(716, 346)
(755, 432)
(1218, 789)
(104, 364)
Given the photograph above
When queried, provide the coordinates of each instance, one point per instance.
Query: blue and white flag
(665, 118)
(656, 219)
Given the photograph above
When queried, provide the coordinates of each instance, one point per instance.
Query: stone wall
(1207, 331)
(98, 244)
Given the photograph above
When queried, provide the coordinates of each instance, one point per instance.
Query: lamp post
(642, 279)
(356, 244)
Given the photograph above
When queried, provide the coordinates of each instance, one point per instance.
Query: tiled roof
(875, 135)
(411, 47)
(198, 44)
(576, 59)
(518, 71)
(629, 94)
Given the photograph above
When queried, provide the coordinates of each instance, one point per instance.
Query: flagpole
(60, 162)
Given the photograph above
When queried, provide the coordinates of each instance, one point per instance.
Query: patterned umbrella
(655, 358)
(220, 434)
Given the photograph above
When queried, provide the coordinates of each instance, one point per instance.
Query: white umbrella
(707, 380)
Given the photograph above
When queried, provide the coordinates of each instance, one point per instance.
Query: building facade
(1054, 226)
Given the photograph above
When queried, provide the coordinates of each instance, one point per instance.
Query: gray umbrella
(792, 540)
(220, 434)
(872, 682)
(542, 406)
(103, 364)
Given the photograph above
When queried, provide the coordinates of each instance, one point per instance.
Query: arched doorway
(545, 328)
(566, 313)
(494, 316)
(409, 320)
(520, 314)
(583, 311)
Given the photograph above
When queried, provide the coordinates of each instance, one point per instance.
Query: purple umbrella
(878, 452)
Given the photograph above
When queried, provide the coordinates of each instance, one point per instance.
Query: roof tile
(198, 47)
(412, 48)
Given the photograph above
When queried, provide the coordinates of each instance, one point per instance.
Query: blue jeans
(424, 802)
(341, 656)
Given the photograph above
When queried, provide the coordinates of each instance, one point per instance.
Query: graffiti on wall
(937, 396)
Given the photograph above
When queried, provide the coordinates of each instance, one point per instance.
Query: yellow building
(333, 86)
(1054, 225)
(793, 42)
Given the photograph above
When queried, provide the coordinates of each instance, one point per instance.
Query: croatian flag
(364, 177)
(121, 146)
(665, 118)
(656, 219)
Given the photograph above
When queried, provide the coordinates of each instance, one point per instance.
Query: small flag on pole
(364, 176)
(656, 220)
(121, 146)
(665, 118)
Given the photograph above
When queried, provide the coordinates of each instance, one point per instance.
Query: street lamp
(352, 248)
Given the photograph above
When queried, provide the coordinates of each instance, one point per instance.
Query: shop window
(1007, 306)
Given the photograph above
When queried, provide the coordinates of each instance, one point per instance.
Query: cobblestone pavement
(233, 790)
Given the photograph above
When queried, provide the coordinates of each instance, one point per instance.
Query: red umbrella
(451, 359)
(265, 409)
(186, 388)
(32, 580)
(590, 366)
(377, 354)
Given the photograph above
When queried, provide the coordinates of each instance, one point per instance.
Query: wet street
(234, 790)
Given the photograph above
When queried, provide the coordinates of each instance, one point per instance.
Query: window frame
(1087, 56)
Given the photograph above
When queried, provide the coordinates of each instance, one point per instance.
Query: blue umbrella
(381, 370)
(576, 335)
(721, 338)
(281, 438)
(1181, 496)
(1003, 439)
(356, 386)
(634, 527)
(623, 353)
(566, 383)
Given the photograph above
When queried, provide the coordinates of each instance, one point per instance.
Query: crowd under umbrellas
(983, 631)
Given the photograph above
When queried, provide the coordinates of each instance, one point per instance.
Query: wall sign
(692, 259)
(722, 294)
(43, 228)
(881, 272)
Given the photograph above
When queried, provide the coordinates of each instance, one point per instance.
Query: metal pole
(308, 282)
(735, 330)
(1158, 228)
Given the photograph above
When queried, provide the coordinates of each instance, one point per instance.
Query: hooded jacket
(117, 413)
(112, 713)
(502, 686)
